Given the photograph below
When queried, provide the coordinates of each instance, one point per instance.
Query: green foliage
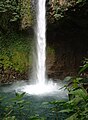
(15, 15)
(36, 117)
(81, 1)
(54, 108)
(15, 52)
(84, 67)
(57, 10)
(26, 14)
(78, 100)
(10, 118)
(77, 105)
(61, 9)
(9, 13)
(9, 107)
(50, 50)
(16, 109)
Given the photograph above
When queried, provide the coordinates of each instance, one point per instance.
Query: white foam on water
(49, 89)
(40, 89)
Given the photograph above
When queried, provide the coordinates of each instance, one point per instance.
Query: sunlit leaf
(81, 93)
(66, 111)
(83, 68)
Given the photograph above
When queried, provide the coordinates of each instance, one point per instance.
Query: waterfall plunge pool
(36, 99)
(37, 94)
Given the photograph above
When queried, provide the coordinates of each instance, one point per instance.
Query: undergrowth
(15, 52)
(16, 108)
(76, 107)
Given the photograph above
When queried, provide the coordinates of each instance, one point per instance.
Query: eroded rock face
(69, 42)
(68, 37)
(9, 76)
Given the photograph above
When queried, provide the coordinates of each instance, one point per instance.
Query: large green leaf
(68, 78)
(83, 68)
(79, 1)
(81, 93)
(66, 111)
(75, 101)
(72, 117)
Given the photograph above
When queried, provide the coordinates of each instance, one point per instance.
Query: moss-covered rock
(15, 57)
(26, 14)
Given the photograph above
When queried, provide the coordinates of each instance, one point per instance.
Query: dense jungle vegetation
(67, 50)
(16, 37)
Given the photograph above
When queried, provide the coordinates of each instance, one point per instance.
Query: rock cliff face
(70, 47)
(68, 37)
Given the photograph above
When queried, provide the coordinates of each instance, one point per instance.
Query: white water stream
(42, 86)
(40, 68)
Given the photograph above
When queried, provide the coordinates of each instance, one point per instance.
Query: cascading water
(39, 74)
(46, 91)
(41, 43)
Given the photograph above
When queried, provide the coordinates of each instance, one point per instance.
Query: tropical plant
(85, 66)
(9, 13)
(61, 8)
(16, 108)
(12, 108)
(76, 107)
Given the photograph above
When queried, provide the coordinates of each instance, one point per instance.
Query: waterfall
(40, 68)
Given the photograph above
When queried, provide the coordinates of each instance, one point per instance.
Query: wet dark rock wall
(68, 36)
(70, 43)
